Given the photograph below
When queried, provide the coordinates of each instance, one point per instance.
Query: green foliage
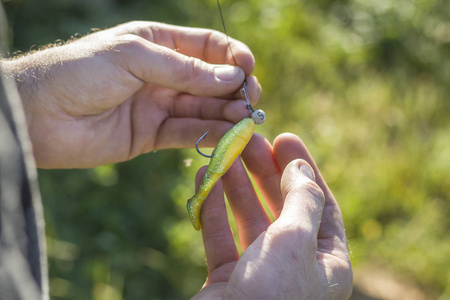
(114, 231)
(364, 83)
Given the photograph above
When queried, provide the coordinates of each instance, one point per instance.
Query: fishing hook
(258, 116)
(244, 93)
(198, 150)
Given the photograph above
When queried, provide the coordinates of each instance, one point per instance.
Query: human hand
(131, 89)
(303, 254)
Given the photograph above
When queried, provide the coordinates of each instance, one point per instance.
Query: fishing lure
(228, 149)
(226, 152)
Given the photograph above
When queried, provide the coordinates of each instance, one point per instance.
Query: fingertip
(228, 73)
(260, 139)
(243, 55)
(199, 176)
(226, 80)
(289, 175)
(197, 77)
(287, 147)
(304, 167)
(286, 138)
(306, 170)
(297, 174)
(254, 89)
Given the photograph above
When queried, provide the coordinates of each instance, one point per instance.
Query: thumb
(163, 66)
(303, 200)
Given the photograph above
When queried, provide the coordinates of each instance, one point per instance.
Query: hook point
(198, 150)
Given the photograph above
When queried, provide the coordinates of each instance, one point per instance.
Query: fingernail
(226, 73)
(306, 170)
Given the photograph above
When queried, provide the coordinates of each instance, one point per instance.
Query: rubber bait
(227, 150)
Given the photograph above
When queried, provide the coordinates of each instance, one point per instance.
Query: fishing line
(259, 116)
(228, 149)
(226, 34)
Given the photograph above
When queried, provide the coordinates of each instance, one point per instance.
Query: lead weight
(258, 116)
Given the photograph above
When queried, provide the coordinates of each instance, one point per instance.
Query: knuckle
(191, 70)
(143, 29)
(314, 189)
(306, 188)
(129, 42)
(123, 49)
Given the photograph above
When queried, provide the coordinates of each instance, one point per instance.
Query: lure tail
(194, 204)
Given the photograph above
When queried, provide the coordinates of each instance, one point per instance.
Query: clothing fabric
(23, 267)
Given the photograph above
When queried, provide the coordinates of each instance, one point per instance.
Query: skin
(303, 254)
(143, 86)
(226, 152)
(131, 89)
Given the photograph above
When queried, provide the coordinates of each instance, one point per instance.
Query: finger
(251, 218)
(159, 65)
(218, 240)
(204, 107)
(254, 89)
(188, 106)
(303, 204)
(259, 160)
(208, 45)
(212, 46)
(288, 147)
(185, 132)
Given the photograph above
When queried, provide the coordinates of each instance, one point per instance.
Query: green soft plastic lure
(228, 149)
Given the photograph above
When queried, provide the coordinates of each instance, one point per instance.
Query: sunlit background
(365, 83)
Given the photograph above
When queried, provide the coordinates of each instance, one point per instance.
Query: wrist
(25, 81)
(29, 77)
(26, 75)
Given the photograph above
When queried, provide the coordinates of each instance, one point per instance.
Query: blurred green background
(365, 83)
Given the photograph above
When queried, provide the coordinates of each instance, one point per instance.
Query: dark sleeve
(23, 268)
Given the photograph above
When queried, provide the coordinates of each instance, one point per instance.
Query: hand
(303, 254)
(138, 87)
